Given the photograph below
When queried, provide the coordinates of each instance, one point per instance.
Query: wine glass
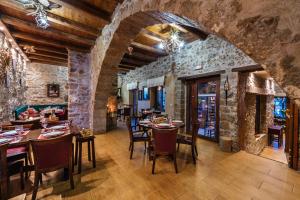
(44, 123)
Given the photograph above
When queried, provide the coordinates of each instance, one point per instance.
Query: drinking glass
(44, 123)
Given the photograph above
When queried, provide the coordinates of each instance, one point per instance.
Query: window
(146, 93)
(160, 103)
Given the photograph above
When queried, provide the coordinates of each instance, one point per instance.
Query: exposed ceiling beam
(48, 54)
(141, 57)
(35, 57)
(148, 48)
(49, 62)
(44, 48)
(129, 67)
(151, 35)
(134, 62)
(31, 27)
(40, 40)
(85, 8)
(52, 18)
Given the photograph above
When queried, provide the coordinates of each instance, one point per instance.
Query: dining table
(24, 138)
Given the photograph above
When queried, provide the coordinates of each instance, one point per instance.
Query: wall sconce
(226, 88)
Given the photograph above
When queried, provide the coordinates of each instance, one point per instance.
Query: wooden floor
(217, 175)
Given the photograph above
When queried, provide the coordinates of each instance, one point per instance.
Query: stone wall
(251, 141)
(79, 88)
(260, 28)
(12, 89)
(196, 58)
(38, 76)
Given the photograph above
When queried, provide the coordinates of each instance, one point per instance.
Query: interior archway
(266, 31)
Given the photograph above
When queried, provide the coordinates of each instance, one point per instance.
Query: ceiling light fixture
(40, 10)
(173, 43)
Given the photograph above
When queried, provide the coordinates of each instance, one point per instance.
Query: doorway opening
(203, 107)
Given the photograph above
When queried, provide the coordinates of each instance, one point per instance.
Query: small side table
(277, 132)
(78, 155)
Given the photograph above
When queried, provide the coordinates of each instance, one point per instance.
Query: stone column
(228, 113)
(79, 86)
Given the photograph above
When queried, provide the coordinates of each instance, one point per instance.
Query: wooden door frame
(192, 89)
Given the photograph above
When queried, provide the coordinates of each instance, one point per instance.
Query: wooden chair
(164, 144)
(21, 152)
(51, 155)
(7, 169)
(190, 140)
(136, 136)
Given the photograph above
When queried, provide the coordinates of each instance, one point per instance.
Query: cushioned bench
(39, 108)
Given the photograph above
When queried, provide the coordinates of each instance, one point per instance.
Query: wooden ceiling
(146, 44)
(76, 25)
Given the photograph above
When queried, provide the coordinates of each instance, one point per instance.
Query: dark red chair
(190, 140)
(136, 136)
(51, 155)
(164, 144)
(7, 169)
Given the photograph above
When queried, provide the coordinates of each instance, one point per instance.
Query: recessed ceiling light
(1, 28)
(10, 40)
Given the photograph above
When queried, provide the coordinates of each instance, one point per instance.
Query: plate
(177, 121)
(163, 125)
(145, 122)
(53, 134)
(4, 140)
(10, 133)
(57, 127)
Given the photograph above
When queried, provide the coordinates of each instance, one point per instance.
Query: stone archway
(267, 31)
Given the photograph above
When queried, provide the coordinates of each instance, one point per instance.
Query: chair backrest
(52, 154)
(3, 160)
(165, 140)
(128, 124)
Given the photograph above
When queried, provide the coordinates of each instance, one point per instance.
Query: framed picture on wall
(53, 90)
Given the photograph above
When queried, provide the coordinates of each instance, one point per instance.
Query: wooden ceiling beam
(129, 67)
(52, 18)
(141, 57)
(148, 48)
(39, 40)
(49, 32)
(49, 62)
(45, 58)
(151, 35)
(85, 8)
(134, 62)
(48, 54)
(44, 48)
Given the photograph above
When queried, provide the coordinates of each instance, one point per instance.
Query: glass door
(204, 107)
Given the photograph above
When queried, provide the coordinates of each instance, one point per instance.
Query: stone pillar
(79, 86)
(228, 113)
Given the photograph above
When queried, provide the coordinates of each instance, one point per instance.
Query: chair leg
(35, 185)
(93, 154)
(80, 157)
(175, 163)
(153, 164)
(26, 166)
(145, 147)
(178, 146)
(22, 178)
(4, 187)
(89, 150)
(196, 150)
(193, 154)
(73, 157)
(131, 150)
(130, 145)
(71, 175)
(76, 152)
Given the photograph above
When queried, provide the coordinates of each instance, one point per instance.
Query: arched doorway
(267, 32)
